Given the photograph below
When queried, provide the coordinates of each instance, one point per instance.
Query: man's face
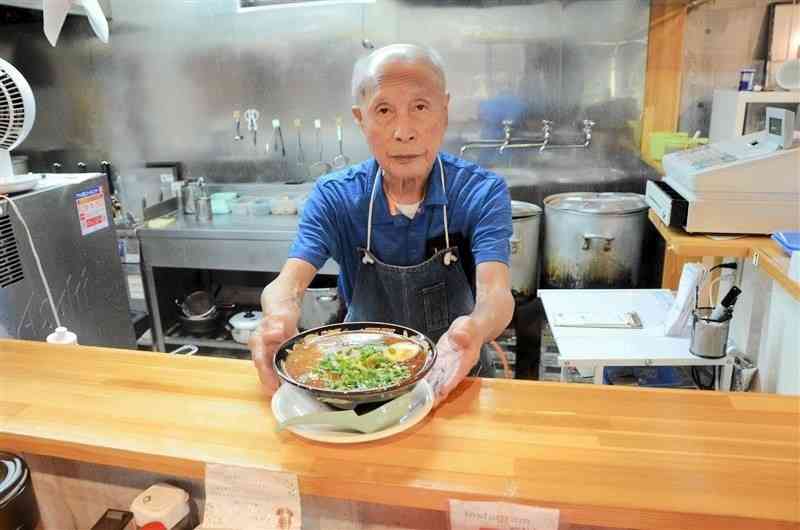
(404, 118)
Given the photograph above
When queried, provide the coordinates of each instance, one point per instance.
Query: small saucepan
(200, 326)
(242, 325)
(312, 344)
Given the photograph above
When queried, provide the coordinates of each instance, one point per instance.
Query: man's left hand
(458, 350)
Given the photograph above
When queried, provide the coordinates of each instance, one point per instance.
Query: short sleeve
(316, 236)
(493, 229)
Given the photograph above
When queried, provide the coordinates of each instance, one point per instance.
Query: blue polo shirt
(334, 220)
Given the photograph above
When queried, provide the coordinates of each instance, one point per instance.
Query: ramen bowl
(388, 360)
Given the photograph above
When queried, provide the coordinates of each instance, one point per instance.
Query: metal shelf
(175, 337)
(207, 343)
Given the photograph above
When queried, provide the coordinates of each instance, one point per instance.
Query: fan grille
(12, 111)
(10, 260)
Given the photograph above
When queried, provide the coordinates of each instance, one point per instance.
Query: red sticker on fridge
(91, 205)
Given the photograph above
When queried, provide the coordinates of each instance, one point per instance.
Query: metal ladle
(319, 167)
(340, 161)
(301, 156)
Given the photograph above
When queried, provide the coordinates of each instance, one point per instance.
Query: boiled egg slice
(402, 351)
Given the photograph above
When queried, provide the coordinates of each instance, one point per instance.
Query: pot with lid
(242, 325)
(593, 240)
(526, 218)
(18, 509)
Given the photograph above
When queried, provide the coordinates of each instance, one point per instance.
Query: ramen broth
(304, 361)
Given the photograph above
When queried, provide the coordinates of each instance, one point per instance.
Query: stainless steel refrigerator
(72, 226)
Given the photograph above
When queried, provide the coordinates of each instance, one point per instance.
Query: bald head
(368, 70)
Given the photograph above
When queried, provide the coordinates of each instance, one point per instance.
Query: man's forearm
(284, 295)
(494, 308)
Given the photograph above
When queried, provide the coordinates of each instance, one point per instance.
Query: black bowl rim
(353, 394)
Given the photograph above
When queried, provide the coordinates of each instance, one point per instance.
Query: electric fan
(17, 112)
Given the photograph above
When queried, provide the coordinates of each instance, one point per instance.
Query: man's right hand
(273, 331)
(281, 303)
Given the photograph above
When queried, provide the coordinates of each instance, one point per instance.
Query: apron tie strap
(449, 257)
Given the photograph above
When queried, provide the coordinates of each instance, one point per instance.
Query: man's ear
(446, 109)
(357, 116)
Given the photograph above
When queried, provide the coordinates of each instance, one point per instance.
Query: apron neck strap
(449, 257)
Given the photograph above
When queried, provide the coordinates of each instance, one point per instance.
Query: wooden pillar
(662, 92)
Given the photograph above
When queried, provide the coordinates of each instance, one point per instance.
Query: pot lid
(521, 209)
(597, 203)
(13, 474)
(247, 320)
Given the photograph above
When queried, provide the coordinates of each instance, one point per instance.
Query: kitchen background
(167, 86)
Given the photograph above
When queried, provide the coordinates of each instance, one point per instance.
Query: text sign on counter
(250, 499)
(500, 516)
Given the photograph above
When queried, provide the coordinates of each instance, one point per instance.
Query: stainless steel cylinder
(189, 192)
(203, 208)
(709, 337)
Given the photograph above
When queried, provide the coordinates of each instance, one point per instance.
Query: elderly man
(421, 237)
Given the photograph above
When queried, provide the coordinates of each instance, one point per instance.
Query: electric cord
(697, 377)
(35, 257)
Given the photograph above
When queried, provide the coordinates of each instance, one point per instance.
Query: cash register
(745, 185)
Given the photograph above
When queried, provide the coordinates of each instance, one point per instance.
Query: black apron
(427, 297)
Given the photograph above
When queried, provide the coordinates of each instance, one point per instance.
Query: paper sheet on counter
(250, 499)
(469, 515)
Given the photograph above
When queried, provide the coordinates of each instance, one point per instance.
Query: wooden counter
(616, 457)
(682, 247)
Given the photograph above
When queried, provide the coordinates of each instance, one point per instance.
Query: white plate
(19, 183)
(290, 401)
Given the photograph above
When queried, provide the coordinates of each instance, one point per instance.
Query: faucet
(490, 144)
(506, 133)
(547, 126)
(587, 132)
(509, 142)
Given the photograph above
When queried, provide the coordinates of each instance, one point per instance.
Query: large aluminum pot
(321, 304)
(593, 240)
(526, 218)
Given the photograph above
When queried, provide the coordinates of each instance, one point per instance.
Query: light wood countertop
(617, 457)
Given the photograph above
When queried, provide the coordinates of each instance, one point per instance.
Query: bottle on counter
(62, 336)
(162, 506)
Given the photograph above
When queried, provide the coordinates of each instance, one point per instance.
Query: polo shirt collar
(435, 195)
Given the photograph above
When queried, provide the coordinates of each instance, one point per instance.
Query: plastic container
(662, 143)
(283, 206)
(239, 207)
(162, 503)
(789, 241)
(62, 336)
(219, 205)
(260, 208)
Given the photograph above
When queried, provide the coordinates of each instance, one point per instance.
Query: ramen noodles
(355, 361)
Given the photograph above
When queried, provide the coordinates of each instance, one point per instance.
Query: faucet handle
(588, 124)
(507, 123)
(547, 123)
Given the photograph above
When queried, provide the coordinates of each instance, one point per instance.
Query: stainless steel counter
(226, 242)
(226, 227)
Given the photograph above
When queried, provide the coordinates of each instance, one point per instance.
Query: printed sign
(92, 213)
(500, 516)
(250, 499)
